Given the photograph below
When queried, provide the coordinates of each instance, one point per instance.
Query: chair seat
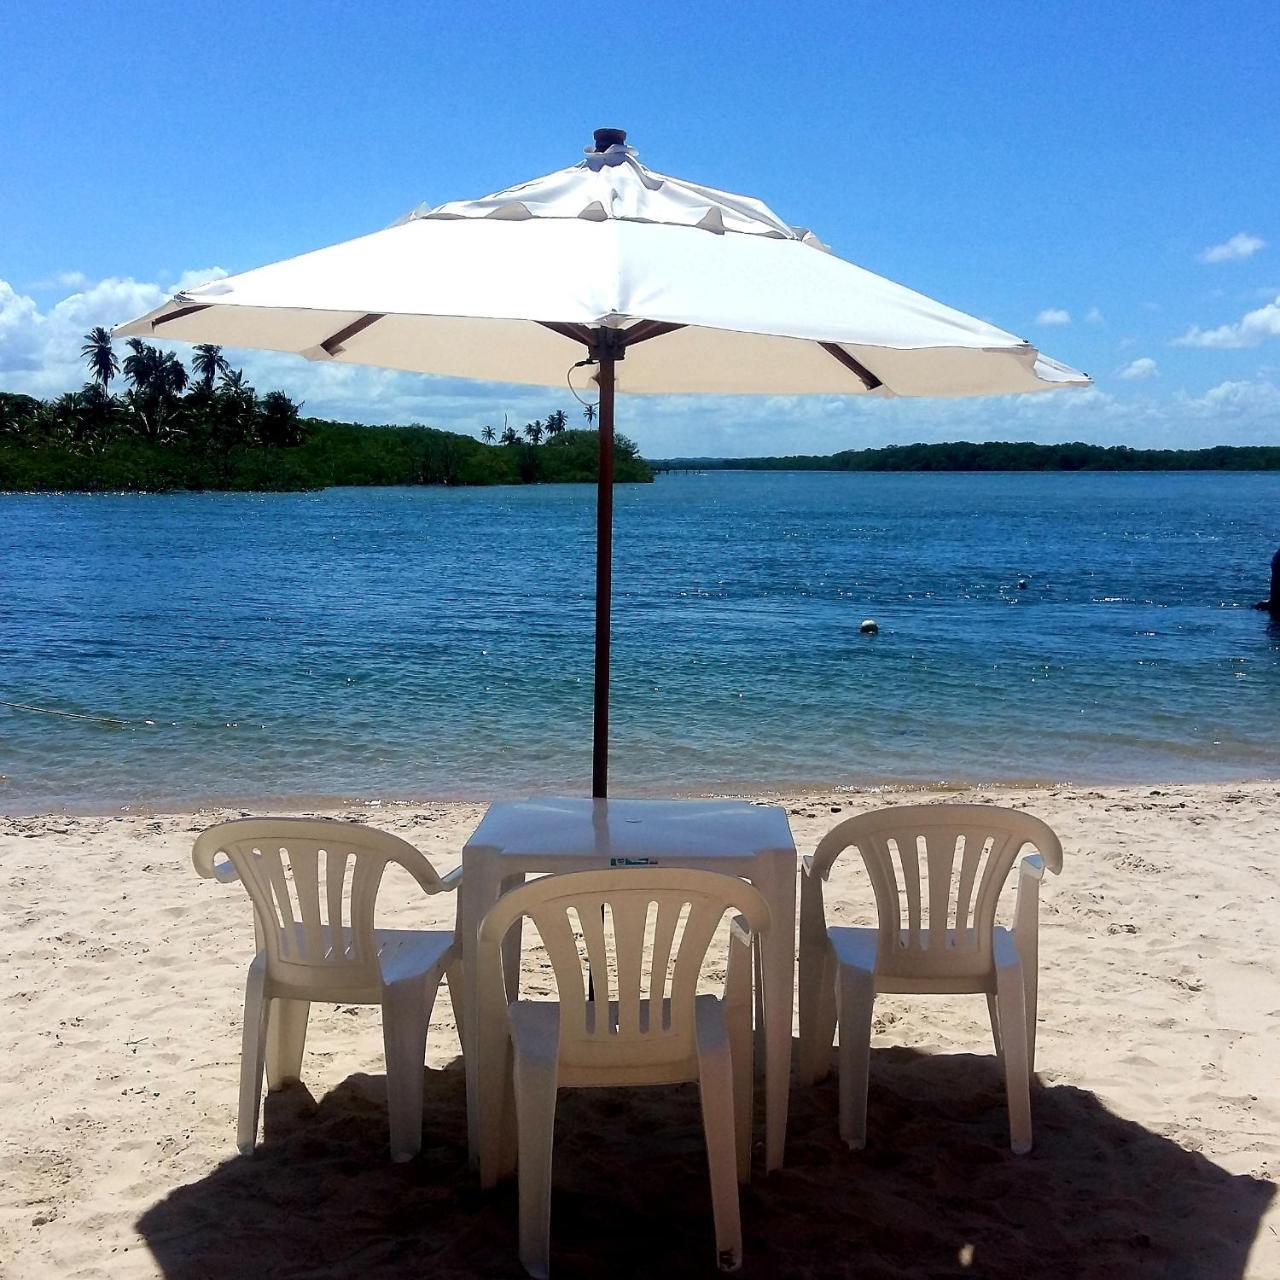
(403, 954)
(411, 951)
(535, 1033)
(857, 949)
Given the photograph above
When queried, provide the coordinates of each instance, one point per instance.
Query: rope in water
(70, 715)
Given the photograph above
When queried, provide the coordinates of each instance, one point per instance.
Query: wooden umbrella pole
(607, 349)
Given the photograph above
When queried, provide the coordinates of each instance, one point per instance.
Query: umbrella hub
(606, 138)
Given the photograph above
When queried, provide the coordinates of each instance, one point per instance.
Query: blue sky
(1103, 180)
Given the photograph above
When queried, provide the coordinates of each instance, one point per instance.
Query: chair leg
(1030, 996)
(818, 1030)
(495, 1104)
(453, 976)
(741, 1055)
(856, 999)
(535, 1097)
(253, 1052)
(1011, 999)
(993, 1013)
(716, 1089)
(286, 1040)
(406, 1015)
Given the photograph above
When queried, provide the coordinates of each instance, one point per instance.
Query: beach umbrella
(662, 285)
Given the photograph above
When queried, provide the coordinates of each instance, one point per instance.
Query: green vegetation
(1001, 456)
(208, 429)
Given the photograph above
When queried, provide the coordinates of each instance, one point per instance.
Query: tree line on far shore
(206, 428)
(963, 455)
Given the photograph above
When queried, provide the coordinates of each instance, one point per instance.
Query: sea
(164, 650)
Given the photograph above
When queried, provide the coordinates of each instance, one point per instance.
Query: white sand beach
(1157, 1110)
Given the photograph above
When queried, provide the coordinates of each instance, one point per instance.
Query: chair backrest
(314, 886)
(657, 919)
(948, 864)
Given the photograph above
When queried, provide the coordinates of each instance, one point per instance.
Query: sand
(1157, 1108)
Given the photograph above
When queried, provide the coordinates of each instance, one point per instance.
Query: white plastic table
(557, 835)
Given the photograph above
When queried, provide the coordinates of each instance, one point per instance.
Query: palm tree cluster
(213, 406)
(556, 423)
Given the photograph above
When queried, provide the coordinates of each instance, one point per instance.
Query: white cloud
(1253, 329)
(1094, 316)
(1053, 315)
(192, 279)
(19, 319)
(1240, 246)
(1236, 400)
(1140, 370)
(62, 280)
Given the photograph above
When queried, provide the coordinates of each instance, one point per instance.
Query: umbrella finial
(606, 138)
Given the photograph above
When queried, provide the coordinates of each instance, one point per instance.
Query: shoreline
(319, 802)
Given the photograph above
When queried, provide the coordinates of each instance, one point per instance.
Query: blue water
(428, 642)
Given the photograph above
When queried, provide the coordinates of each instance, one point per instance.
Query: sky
(1102, 180)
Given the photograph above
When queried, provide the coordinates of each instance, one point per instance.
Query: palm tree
(70, 411)
(139, 365)
(533, 432)
(488, 435)
(103, 365)
(589, 412)
(173, 376)
(208, 363)
(509, 435)
(153, 371)
(235, 409)
(70, 405)
(278, 422)
(233, 381)
(158, 379)
(556, 422)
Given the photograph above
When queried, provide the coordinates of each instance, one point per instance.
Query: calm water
(399, 642)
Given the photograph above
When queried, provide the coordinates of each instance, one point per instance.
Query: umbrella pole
(604, 568)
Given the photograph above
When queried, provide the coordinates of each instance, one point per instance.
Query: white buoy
(869, 627)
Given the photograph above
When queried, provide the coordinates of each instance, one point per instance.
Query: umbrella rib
(647, 329)
(331, 346)
(177, 315)
(869, 379)
(574, 332)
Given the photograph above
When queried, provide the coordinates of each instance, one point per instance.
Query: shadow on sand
(936, 1193)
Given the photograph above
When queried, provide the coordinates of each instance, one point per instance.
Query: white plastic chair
(633, 1033)
(948, 944)
(314, 886)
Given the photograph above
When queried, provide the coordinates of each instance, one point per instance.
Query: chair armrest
(223, 872)
(206, 848)
(416, 863)
(1032, 865)
(450, 881)
(806, 864)
(740, 930)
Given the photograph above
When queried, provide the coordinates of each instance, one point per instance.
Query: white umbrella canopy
(665, 285)
(469, 288)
